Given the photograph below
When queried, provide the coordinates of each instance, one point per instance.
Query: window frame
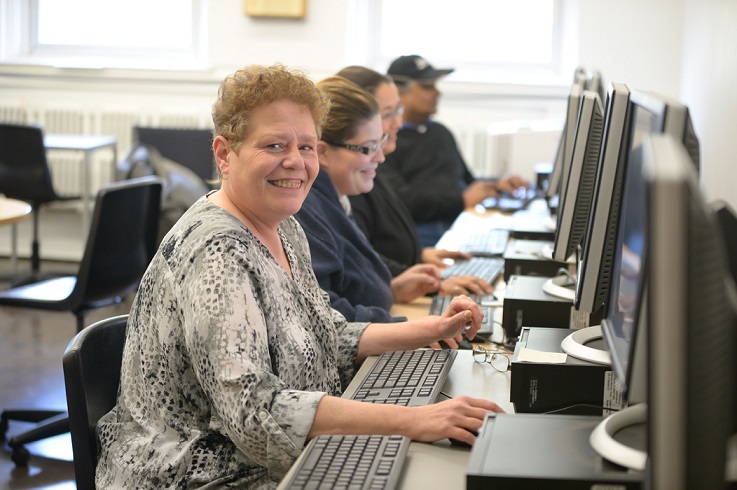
(558, 71)
(20, 41)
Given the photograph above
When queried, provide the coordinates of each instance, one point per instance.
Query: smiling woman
(347, 267)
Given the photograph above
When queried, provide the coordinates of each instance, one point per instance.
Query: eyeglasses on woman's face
(392, 114)
(369, 150)
(498, 361)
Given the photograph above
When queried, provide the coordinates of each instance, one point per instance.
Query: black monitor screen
(643, 122)
(620, 324)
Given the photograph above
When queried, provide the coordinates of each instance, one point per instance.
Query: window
(161, 34)
(490, 40)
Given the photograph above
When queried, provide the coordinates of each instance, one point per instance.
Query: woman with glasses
(382, 215)
(347, 267)
(233, 357)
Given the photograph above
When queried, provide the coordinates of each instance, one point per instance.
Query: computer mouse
(458, 442)
(464, 344)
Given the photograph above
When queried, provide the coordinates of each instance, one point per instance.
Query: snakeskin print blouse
(226, 359)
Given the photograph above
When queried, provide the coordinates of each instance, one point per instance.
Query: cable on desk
(582, 405)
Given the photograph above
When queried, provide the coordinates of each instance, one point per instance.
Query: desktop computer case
(551, 452)
(526, 304)
(577, 387)
(526, 258)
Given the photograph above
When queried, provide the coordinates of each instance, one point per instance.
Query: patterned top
(226, 359)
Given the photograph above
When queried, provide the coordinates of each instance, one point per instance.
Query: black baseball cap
(415, 67)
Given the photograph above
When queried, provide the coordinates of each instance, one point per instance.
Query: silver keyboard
(360, 462)
(486, 302)
(411, 378)
(487, 268)
(487, 243)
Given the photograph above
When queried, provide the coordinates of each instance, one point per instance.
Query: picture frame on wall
(288, 9)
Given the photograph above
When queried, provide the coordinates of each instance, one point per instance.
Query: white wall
(676, 47)
(636, 42)
(315, 44)
(709, 88)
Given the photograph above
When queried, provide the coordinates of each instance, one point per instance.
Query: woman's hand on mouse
(458, 418)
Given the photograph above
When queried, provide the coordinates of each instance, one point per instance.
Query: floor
(32, 343)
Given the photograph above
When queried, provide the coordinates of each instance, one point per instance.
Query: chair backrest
(123, 238)
(190, 147)
(92, 362)
(24, 170)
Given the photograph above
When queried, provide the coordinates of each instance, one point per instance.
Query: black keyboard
(360, 462)
(485, 301)
(487, 268)
(487, 243)
(410, 378)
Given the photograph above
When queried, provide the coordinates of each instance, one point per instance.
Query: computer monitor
(593, 273)
(653, 112)
(595, 83)
(565, 146)
(647, 113)
(576, 194)
(728, 222)
(670, 324)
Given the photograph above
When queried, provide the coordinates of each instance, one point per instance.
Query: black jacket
(388, 225)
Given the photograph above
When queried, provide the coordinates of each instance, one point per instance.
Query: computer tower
(547, 452)
(576, 387)
(526, 304)
(533, 223)
(532, 258)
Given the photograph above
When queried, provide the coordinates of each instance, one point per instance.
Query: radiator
(489, 150)
(509, 148)
(66, 166)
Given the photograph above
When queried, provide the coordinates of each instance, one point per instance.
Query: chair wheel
(20, 456)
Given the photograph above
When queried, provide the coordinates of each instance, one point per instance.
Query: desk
(441, 465)
(11, 212)
(416, 309)
(87, 144)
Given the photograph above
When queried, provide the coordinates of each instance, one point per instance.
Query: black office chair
(25, 175)
(122, 240)
(92, 363)
(190, 147)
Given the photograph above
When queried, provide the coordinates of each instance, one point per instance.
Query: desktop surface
(441, 465)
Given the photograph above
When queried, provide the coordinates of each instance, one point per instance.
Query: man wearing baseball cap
(427, 169)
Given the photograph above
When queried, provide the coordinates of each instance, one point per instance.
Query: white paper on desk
(538, 356)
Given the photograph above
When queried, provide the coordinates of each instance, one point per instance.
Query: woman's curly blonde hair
(256, 86)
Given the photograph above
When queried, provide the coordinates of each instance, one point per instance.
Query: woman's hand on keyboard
(414, 282)
(438, 257)
(465, 285)
(462, 315)
(459, 418)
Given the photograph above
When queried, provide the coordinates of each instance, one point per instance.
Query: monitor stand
(605, 445)
(575, 345)
(547, 252)
(561, 286)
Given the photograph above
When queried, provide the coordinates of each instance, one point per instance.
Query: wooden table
(11, 212)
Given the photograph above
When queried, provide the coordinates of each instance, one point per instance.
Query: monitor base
(561, 287)
(603, 442)
(575, 345)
